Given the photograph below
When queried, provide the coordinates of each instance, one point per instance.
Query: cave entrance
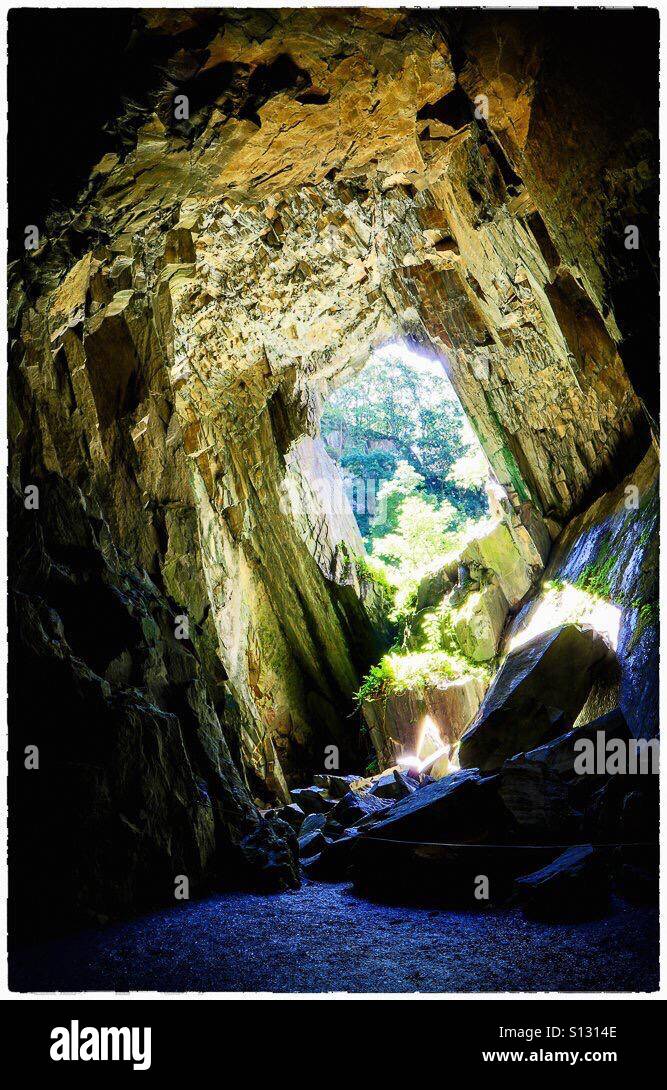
(415, 473)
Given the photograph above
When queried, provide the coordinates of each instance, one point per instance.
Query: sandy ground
(323, 938)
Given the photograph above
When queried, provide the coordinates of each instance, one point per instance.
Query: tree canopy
(400, 425)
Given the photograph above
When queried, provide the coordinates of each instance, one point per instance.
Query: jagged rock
(539, 689)
(337, 786)
(396, 722)
(604, 572)
(573, 886)
(537, 787)
(436, 583)
(293, 815)
(269, 852)
(353, 808)
(311, 823)
(335, 859)
(312, 800)
(463, 806)
(393, 785)
(312, 843)
(171, 343)
(132, 751)
(497, 551)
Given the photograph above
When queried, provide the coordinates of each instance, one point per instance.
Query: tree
(397, 413)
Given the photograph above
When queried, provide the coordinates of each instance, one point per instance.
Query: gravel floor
(323, 938)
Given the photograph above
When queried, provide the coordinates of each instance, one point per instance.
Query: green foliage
(422, 532)
(396, 412)
(471, 470)
(416, 672)
(370, 569)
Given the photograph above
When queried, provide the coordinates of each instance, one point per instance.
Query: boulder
(540, 788)
(478, 622)
(311, 823)
(407, 722)
(312, 800)
(499, 552)
(353, 808)
(573, 886)
(335, 858)
(336, 785)
(538, 799)
(292, 814)
(436, 582)
(312, 843)
(537, 693)
(393, 785)
(462, 807)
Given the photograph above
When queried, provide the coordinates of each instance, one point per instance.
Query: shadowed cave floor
(324, 938)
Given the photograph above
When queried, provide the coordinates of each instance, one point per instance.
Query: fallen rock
(312, 800)
(541, 790)
(436, 582)
(312, 843)
(292, 814)
(353, 808)
(337, 786)
(311, 823)
(335, 858)
(397, 724)
(573, 886)
(538, 692)
(537, 798)
(393, 785)
(463, 807)
(497, 551)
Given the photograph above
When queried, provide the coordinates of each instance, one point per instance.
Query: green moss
(595, 579)
(511, 465)
(399, 673)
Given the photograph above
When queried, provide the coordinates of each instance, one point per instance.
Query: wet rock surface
(538, 692)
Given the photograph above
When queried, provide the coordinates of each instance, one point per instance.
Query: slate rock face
(538, 691)
(136, 784)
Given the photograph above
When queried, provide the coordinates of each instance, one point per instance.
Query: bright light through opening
(565, 604)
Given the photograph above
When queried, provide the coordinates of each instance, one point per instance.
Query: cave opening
(423, 495)
(413, 468)
(333, 638)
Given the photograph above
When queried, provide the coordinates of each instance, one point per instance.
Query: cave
(224, 715)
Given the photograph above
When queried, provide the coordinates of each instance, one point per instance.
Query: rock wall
(175, 332)
(603, 572)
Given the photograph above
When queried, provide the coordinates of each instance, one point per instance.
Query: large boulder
(393, 785)
(499, 552)
(436, 582)
(353, 808)
(542, 791)
(312, 800)
(478, 622)
(538, 692)
(463, 807)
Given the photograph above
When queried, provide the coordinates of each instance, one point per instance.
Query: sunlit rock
(478, 623)
(537, 693)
